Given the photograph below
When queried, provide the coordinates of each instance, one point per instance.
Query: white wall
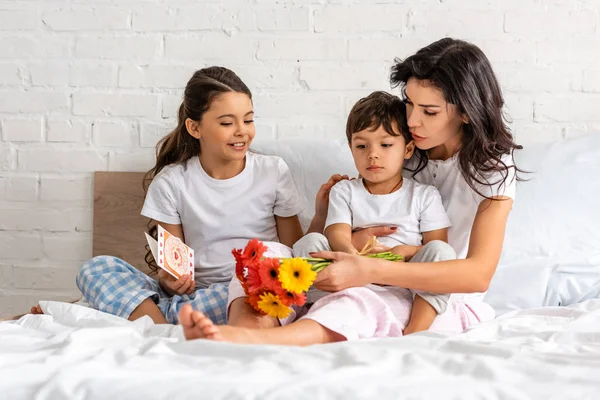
(92, 85)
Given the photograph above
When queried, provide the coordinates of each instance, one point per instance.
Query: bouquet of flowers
(274, 285)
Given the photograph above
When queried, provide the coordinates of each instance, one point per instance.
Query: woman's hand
(322, 203)
(181, 286)
(322, 199)
(347, 270)
(362, 236)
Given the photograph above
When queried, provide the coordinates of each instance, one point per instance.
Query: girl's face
(432, 121)
(227, 127)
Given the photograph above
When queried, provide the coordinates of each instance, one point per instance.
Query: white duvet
(76, 352)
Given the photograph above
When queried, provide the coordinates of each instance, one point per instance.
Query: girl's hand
(181, 286)
(347, 270)
(322, 200)
(362, 236)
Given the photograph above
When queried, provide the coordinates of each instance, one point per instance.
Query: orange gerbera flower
(269, 274)
(290, 298)
(254, 251)
(253, 281)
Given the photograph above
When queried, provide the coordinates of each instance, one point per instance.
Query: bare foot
(36, 310)
(196, 325)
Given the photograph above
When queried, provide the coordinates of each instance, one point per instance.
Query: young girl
(454, 110)
(208, 190)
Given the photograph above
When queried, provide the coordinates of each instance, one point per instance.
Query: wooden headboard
(118, 226)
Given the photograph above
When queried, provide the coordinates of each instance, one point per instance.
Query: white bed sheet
(77, 352)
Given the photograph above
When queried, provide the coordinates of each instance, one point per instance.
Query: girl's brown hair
(179, 146)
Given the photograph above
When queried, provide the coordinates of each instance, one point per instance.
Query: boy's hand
(407, 252)
(362, 236)
(181, 286)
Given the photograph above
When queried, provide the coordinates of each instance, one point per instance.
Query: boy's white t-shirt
(218, 215)
(414, 208)
(460, 201)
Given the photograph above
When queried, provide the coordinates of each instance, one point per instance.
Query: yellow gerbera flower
(272, 306)
(296, 275)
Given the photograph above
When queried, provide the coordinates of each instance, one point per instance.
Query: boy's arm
(409, 252)
(340, 238)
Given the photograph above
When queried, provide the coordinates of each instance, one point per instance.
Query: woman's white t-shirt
(218, 215)
(460, 201)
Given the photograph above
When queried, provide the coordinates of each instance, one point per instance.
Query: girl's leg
(302, 333)
(211, 301)
(111, 285)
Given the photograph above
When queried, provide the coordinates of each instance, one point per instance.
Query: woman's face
(432, 121)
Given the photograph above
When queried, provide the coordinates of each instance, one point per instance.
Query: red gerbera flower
(253, 300)
(239, 264)
(269, 274)
(254, 251)
(290, 298)
(253, 278)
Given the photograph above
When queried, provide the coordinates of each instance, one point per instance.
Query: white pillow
(553, 234)
(311, 162)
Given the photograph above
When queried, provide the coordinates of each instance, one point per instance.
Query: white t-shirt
(414, 208)
(460, 201)
(218, 215)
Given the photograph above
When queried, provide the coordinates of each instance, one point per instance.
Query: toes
(185, 316)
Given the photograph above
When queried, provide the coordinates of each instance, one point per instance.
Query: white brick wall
(93, 85)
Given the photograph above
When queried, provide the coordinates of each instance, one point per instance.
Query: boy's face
(379, 156)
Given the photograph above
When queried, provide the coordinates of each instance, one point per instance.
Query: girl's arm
(289, 229)
(322, 204)
(167, 282)
(473, 274)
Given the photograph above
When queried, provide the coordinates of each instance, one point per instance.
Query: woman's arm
(289, 229)
(322, 204)
(470, 275)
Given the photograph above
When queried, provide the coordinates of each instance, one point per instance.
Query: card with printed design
(171, 254)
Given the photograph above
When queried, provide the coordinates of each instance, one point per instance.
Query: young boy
(380, 142)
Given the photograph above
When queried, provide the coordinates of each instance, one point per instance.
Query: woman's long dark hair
(466, 78)
(179, 146)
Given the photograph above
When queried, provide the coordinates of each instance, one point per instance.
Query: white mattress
(76, 352)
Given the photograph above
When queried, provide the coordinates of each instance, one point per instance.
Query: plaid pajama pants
(111, 285)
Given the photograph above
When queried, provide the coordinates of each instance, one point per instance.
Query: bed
(544, 344)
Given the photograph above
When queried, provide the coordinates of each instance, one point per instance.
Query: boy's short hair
(378, 108)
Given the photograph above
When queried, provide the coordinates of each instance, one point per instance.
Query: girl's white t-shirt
(414, 208)
(218, 215)
(460, 201)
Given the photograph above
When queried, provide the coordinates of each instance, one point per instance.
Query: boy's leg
(427, 306)
(310, 243)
